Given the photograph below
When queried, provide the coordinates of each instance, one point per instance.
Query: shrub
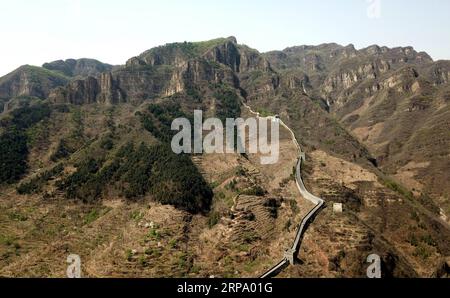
(255, 191)
(62, 151)
(27, 116)
(13, 156)
(398, 188)
(13, 143)
(35, 185)
(159, 121)
(213, 219)
(228, 101)
(107, 144)
(169, 178)
(422, 251)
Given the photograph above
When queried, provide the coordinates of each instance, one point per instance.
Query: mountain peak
(80, 67)
(232, 39)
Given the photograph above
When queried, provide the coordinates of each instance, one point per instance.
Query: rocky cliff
(166, 70)
(30, 81)
(78, 68)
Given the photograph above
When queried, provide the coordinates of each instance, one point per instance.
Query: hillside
(29, 81)
(394, 101)
(87, 168)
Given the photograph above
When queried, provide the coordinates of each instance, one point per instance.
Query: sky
(38, 31)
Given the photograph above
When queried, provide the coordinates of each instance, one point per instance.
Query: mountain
(92, 168)
(36, 82)
(394, 101)
(29, 81)
(78, 68)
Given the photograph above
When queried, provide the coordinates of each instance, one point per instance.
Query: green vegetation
(17, 216)
(137, 215)
(188, 49)
(249, 237)
(13, 156)
(25, 117)
(398, 188)
(107, 144)
(422, 244)
(264, 112)
(428, 239)
(194, 93)
(240, 171)
(294, 206)
(255, 191)
(13, 142)
(213, 219)
(232, 185)
(38, 134)
(76, 140)
(168, 178)
(330, 142)
(62, 151)
(203, 46)
(91, 216)
(229, 105)
(177, 181)
(272, 206)
(287, 225)
(61, 108)
(422, 251)
(35, 185)
(77, 119)
(159, 120)
(129, 255)
(83, 184)
(415, 216)
(37, 73)
(154, 234)
(173, 243)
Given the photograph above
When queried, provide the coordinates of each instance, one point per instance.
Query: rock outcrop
(78, 68)
(30, 81)
(164, 71)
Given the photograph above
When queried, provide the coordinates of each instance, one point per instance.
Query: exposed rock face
(78, 92)
(30, 81)
(135, 85)
(103, 89)
(439, 72)
(227, 54)
(78, 68)
(164, 71)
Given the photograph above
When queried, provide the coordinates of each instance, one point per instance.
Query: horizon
(114, 32)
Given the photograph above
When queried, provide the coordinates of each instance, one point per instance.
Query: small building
(337, 208)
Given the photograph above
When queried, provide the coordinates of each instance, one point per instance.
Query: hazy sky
(38, 31)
